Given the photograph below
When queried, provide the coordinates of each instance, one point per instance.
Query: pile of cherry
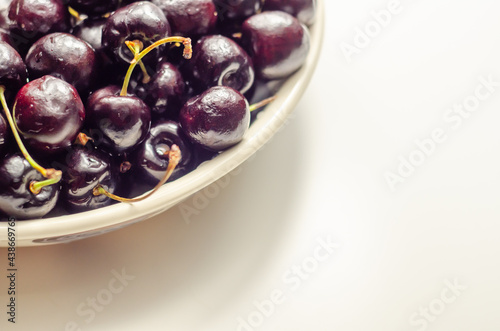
(103, 100)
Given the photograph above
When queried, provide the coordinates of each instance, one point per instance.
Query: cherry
(31, 19)
(277, 42)
(236, 10)
(94, 8)
(142, 21)
(151, 158)
(189, 17)
(87, 168)
(16, 198)
(124, 121)
(164, 93)
(304, 10)
(49, 114)
(64, 56)
(216, 119)
(218, 60)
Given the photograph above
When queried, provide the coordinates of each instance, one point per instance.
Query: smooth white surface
(321, 178)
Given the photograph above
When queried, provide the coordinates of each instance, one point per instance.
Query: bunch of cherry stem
(136, 48)
(53, 176)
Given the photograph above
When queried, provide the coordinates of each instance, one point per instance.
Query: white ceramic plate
(77, 226)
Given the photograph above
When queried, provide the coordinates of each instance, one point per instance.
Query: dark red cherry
(304, 10)
(85, 169)
(141, 21)
(124, 121)
(32, 19)
(64, 56)
(49, 114)
(277, 42)
(189, 17)
(219, 61)
(165, 92)
(16, 199)
(93, 8)
(13, 73)
(216, 119)
(151, 160)
(237, 10)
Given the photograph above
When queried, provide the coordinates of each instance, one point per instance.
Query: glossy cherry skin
(93, 8)
(64, 56)
(216, 119)
(124, 121)
(85, 169)
(100, 93)
(32, 19)
(151, 160)
(13, 73)
(304, 10)
(189, 17)
(237, 10)
(16, 199)
(165, 92)
(277, 42)
(49, 114)
(219, 61)
(141, 21)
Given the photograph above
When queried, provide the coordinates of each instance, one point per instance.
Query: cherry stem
(174, 156)
(146, 78)
(82, 139)
(136, 47)
(74, 13)
(36, 187)
(47, 173)
(125, 166)
(262, 103)
(188, 51)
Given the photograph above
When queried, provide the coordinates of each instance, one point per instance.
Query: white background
(322, 178)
